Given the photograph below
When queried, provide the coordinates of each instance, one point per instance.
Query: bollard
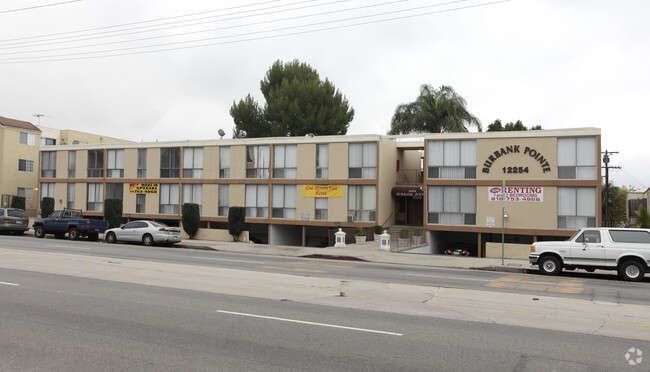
(384, 241)
(340, 239)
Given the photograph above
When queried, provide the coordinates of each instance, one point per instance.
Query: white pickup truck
(625, 250)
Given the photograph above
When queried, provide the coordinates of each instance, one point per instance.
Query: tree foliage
(47, 206)
(496, 126)
(642, 217)
(298, 103)
(433, 111)
(236, 221)
(191, 218)
(616, 206)
(113, 212)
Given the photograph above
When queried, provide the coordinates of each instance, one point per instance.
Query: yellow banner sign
(143, 188)
(322, 191)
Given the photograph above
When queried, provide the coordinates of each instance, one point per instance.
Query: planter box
(360, 239)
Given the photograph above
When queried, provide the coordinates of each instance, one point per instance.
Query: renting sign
(526, 194)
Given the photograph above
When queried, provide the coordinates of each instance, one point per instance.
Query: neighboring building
(21, 162)
(19, 144)
(636, 199)
(298, 190)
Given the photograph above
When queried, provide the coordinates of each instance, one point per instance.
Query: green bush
(191, 218)
(18, 202)
(379, 229)
(236, 221)
(360, 231)
(47, 206)
(113, 212)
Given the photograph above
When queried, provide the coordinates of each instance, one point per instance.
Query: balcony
(410, 177)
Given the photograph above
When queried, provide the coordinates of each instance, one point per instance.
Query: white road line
(310, 323)
(7, 283)
(452, 277)
(224, 259)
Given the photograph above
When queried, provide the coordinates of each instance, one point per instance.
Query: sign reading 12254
(515, 169)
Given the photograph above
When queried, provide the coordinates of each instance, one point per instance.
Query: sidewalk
(368, 251)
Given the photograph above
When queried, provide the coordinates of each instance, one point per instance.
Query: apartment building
(297, 190)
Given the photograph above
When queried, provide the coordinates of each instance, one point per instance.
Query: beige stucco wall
(306, 161)
(520, 153)
(131, 164)
(12, 151)
(153, 166)
(237, 162)
(210, 201)
(338, 166)
(386, 175)
(522, 215)
(82, 163)
(237, 194)
(510, 250)
(68, 136)
(210, 163)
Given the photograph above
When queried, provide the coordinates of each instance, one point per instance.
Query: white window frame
(28, 139)
(223, 202)
(48, 164)
(362, 160)
(193, 193)
(285, 161)
(25, 165)
(362, 202)
(115, 164)
(284, 201)
(257, 161)
(224, 162)
(168, 198)
(577, 158)
(142, 163)
(95, 170)
(451, 159)
(576, 207)
(321, 206)
(451, 205)
(70, 192)
(193, 162)
(322, 160)
(95, 197)
(72, 164)
(257, 201)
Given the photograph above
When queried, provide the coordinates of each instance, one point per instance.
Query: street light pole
(503, 221)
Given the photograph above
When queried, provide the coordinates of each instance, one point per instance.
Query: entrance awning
(408, 192)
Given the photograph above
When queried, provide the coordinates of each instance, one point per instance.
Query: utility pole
(607, 167)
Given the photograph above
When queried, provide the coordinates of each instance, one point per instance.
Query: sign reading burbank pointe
(322, 191)
(526, 194)
(143, 188)
(516, 168)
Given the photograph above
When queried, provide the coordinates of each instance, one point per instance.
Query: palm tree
(434, 111)
(642, 217)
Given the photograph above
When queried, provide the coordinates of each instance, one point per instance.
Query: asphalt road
(605, 288)
(63, 323)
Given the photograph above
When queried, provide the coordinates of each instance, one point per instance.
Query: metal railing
(410, 177)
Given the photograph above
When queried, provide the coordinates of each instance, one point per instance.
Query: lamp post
(503, 221)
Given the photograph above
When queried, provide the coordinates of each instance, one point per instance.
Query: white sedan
(147, 232)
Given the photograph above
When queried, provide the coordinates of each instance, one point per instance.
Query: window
(362, 160)
(576, 158)
(48, 141)
(451, 159)
(169, 162)
(257, 201)
(257, 161)
(285, 161)
(320, 209)
(630, 236)
(47, 190)
(95, 163)
(114, 191)
(27, 139)
(589, 236)
(224, 162)
(169, 198)
(26, 192)
(576, 207)
(362, 203)
(193, 162)
(70, 193)
(77, 142)
(72, 164)
(224, 200)
(193, 193)
(25, 165)
(451, 205)
(140, 200)
(48, 164)
(95, 197)
(142, 163)
(322, 160)
(115, 164)
(284, 201)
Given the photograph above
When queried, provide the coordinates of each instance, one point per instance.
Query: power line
(80, 56)
(37, 6)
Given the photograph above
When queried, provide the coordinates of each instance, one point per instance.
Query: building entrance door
(408, 211)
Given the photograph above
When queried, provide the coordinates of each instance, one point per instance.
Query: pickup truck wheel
(631, 271)
(549, 265)
(147, 240)
(73, 233)
(39, 232)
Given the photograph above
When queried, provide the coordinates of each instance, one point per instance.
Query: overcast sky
(558, 64)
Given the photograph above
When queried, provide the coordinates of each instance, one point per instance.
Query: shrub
(191, 218)
(47, 206)
(379, 229)
(18, 202)
(113, 212)
(236, 221)
(360, 231)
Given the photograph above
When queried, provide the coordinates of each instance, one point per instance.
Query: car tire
(550, 265)
(147, 240)
(39, 232)
(110, 237)
(631, 271)
(73, 233)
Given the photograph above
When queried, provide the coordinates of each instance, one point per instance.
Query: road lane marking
(227, 260)
(293, 270)
(310, 323)
(539, 284)
(450, 277)
(341, 265)
(7, 283)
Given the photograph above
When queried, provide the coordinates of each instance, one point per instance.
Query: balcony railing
(410, 177)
